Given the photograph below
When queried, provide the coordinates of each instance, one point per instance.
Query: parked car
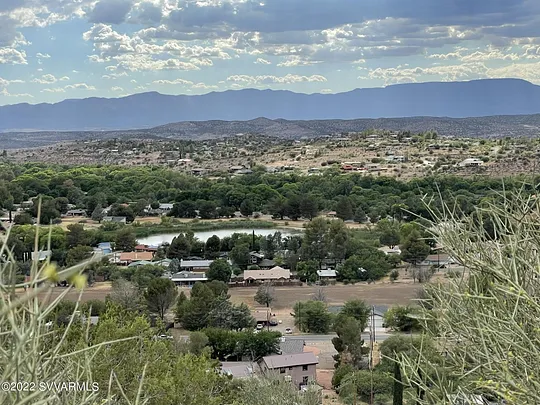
(288, 331)
(273, 322)
(260, 326)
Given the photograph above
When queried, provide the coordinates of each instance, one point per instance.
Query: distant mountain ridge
(481, 127)
(489, 97)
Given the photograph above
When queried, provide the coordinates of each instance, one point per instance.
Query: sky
(51, 50)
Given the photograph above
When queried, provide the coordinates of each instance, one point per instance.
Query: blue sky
(51, 50)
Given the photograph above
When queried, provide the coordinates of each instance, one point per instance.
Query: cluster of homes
(194, 269)
(294, 363)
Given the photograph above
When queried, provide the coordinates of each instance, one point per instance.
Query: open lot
(380, 293)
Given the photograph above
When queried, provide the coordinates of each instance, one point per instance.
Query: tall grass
(33, 355)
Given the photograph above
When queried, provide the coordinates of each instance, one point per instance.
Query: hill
(453, 99)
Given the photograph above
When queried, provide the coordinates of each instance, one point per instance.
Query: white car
(288, 331)
(260, 326)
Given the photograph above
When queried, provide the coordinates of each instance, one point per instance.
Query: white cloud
(6, 93)
(261, 61)
(45, 79)
(173, 82)
(116, 88)
(54, 90)
(12, 56)
(79, 86)
(268, 79)
(42, 55)
(204, 86)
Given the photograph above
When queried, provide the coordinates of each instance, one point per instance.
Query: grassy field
(380, 293)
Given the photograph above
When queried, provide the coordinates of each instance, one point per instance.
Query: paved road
(379, 337)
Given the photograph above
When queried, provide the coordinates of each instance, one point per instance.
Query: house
(262, 315)
(118, 220)
(327, 274)
(255, 257)
(164, 208)
(76, 213)
(41, 255)
(188, 278)
(390, 251)
(299, 368)
(274, 274)
(441, 259)
(140, 263)
(331, 214)
(105, 248)
(145, 248)
(471, 162)
(201, 266)
(130, 257)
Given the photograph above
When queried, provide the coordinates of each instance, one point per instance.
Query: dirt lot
(380, 293)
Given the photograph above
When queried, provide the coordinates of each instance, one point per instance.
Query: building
(262, 315)
(130, 257)
(274, 274)
(255, 257)
(441, 259)
(41, 255)
(188, 278)
(327, 274)
(76, 213)
(164, 208)
(390, 251)
(105, 248)
(471, 162)
(299, 368)
(201, 266)
(118, 220)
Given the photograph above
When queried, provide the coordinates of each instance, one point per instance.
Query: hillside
(453, 99)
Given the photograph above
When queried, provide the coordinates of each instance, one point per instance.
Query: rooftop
(290, 360)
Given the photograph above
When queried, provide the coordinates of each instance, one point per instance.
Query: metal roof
(290, 360)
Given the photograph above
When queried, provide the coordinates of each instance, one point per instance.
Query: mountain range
(489, 97)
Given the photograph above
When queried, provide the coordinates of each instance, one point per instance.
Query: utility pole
(372, 346)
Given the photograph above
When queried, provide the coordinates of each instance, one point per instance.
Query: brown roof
(274, 273)
(136, 256)
(290, 360)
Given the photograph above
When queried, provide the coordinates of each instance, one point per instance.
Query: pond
(159, 239)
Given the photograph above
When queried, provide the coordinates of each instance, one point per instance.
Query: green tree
(125, 239)
(97, 213)
(212, 247)
(348, 342)
(121, 210)
(228, 316)
(247, 207)
(23, 218)
(402, 319)
(389, 232)
(179, 248)
(360, 215)
(194, 312)
(344, 208)
(309, 207)
(315, 242)
(358, 310)
(307, 271)
(219, 270)
(239, 254)
(265, 295)
(414, 250)
(160, 295)
(312, 317)
(78, 254)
